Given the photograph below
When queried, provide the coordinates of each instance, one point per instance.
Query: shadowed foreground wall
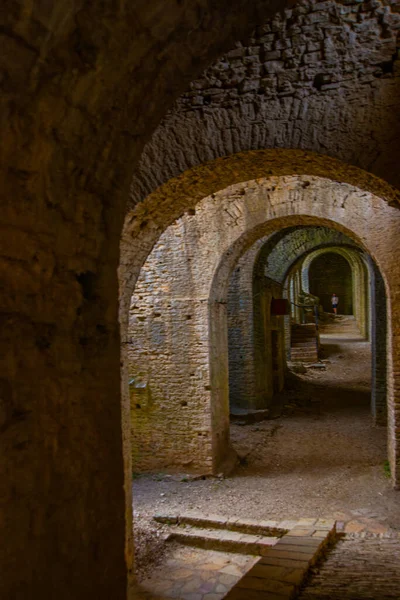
(83, 86)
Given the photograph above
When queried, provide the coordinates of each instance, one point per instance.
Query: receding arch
(250, 210)
(360, 286)
(146, 221)
(259, 273)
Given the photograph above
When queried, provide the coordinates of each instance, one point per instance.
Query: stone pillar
(378, 335)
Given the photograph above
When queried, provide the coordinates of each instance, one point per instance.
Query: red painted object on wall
(279, 306)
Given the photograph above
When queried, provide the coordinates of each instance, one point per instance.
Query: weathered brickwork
(324, 77)
(223, 227)
(253, 334)
(241, 326)
(359, 289)
(379, 327)
(298, 242)
(270, 259)
(331, 272)
(82, 88)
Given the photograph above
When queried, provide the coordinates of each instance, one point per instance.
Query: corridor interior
(184, 186)
(313, 446)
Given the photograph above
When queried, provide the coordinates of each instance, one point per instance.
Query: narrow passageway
(322, 457)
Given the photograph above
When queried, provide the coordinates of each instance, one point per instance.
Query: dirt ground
(322, 457)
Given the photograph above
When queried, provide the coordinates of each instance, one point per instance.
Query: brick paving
(206, 573)
(358, 568)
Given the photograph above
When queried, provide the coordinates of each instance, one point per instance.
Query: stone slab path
(197, 574)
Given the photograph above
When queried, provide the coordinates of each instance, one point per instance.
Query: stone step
(305, 359)
(285, 561)
(221, 540)
(265, 528)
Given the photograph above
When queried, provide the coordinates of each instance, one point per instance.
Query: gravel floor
(322, 457)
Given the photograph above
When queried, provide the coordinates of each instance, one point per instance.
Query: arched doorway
(244, 214)
(332, 272)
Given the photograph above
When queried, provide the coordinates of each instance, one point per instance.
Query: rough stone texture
(84, 84)
(324, 77)
(274, 256)
(253, 365)
(360, 285)
(168, 351)
(379, 349)
(297, 243)
(224, 226)
(83, 88)
(147, 220)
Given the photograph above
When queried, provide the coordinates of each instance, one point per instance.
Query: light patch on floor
(195, 574)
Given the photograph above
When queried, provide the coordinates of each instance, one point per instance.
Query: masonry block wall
(73, 130)
(71, 141)
(252, 366)
(360, 275)
(297, 243)
(241, 328)
(221, 229)
(379, 346)
(168, 355)
(324, 76)
(269, 355)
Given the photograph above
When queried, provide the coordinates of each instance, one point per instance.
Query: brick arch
(259, 273)
(228, 223)
(85, 85)
(146, 221)
(360, 280)
(313, 80)
(373, 305)
(84, 90)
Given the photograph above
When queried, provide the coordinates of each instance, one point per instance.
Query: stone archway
(239, 215)
(264, 266)
(360, 287)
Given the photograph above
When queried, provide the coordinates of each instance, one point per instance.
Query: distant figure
(335, 302)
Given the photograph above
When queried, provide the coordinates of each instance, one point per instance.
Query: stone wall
(323, 77)
(83, 86)
(379, 326)
(169, 354)
(221, 229)
(250, 327)
(298, 243)
(360, 289)
(241, 331)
